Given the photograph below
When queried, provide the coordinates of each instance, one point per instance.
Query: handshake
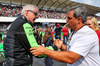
(39, 51)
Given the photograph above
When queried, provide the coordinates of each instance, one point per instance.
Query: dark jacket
(49, 41)
(58, 30)
(16, 53)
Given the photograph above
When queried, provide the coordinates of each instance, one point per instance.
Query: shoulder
(86, 32)
(18, 21)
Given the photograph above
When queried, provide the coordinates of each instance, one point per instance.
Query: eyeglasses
(69, 18)
(33, 12)
(87, 24)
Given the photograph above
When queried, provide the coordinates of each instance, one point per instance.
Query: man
(58, 32)
(19, 37)
(36, 33)
(65, 34)
(82, 48)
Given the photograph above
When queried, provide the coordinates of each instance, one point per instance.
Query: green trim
(1, 49)
(50, 47)
(32, 41)
(30, 36)
(40, 33)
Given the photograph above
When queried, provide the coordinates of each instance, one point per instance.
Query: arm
(62, 56)
(25, 33)
(64, 25)
(30, 36)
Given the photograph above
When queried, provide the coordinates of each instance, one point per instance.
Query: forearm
(64, 25)
(62, 56)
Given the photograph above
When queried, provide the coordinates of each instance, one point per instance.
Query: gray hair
(79, 11)
(28, 7)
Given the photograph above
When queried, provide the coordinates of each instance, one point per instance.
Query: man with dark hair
(58, 31)
(82, 46)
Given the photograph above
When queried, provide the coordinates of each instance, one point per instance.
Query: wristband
(55, 47)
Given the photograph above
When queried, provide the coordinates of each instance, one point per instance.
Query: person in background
(40, 36)
(82, 48)
(65, 34)
(48, 41)
(58, 31)
(36, 34)
(51, 28)
(47, 27)
(54, 27)
(19, 38)
(92, 23)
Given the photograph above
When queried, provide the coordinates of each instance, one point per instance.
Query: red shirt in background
(98, 33)
(65, 31)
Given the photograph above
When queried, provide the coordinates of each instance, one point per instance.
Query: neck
(79, 27)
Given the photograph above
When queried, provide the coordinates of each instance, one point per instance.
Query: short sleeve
(83, 44)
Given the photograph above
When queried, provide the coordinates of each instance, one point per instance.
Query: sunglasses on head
(33, 12)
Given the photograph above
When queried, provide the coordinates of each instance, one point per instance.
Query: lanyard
(71, 35)
(69, 39)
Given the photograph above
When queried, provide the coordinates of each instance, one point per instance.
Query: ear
(79, 19)
(26, 12)
(95, 26)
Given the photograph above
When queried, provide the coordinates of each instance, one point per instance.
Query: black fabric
(40, 39)
(36, 36)
(48, 42)
(22, 37)
(58, 30)
(15, 53)
(55, 47)
(25, 43)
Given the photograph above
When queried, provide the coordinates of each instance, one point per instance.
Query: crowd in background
(52, 14)
(48, 38)
(15, 11)
(8, 11)
(11, 11)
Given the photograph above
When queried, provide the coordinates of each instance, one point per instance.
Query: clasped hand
(58, 43)
(36, 51)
